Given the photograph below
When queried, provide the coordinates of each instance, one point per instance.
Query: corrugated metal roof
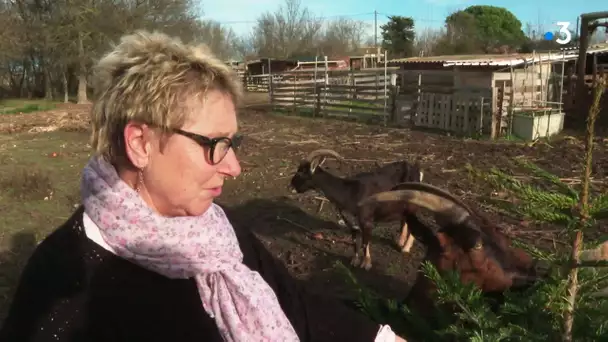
(500, 60)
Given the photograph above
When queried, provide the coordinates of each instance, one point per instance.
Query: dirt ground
(260, 199)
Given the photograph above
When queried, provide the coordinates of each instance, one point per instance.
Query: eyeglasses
(218, 147)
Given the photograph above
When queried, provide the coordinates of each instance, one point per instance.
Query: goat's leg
(406, 238)
(353, 232)
(356, 248)
(403, 236)
(366, 235)
(346, 222)
(409, 242)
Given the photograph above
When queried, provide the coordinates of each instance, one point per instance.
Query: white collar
(91, 230)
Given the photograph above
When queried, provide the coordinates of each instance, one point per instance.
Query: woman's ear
(138, 146)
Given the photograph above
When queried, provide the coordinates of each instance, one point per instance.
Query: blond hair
(148, 77)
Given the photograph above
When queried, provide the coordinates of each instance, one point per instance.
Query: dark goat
(345, 194)
(465, 242)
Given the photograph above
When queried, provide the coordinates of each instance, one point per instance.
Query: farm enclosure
(524, 94)
(260, 199)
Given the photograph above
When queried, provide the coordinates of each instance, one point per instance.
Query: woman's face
(178, 177)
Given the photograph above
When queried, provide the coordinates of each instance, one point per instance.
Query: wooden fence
(466, 113)
(444, 100)
(256, 83)
(390, 96)
(469, 103)
(357, 95)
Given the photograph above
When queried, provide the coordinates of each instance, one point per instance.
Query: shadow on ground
(287, 230)
(12, 261)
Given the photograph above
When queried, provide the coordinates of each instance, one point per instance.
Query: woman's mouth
(216, 191)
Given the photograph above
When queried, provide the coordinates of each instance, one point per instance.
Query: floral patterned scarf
(204, 247)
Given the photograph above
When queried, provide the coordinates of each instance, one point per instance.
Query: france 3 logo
(564, 35)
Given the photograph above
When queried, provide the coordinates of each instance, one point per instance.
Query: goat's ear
(465, 237)
(478, 255)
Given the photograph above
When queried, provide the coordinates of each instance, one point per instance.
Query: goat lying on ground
(345, 193)
(465, 242)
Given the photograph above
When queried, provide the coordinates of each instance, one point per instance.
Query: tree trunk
(48, 91)
(22, 81)
(82, 75)
(65, 87)
(82, 88)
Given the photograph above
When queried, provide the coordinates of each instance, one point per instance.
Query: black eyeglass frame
(204, 141)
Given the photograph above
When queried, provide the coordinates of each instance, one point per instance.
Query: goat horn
(323, 152)
(426, 196)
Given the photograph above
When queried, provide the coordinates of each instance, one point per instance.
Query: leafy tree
(493, 26)
(398, 36)
(461, 35)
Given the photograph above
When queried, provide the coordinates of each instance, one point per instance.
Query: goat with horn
(345, 194)
(465, 243)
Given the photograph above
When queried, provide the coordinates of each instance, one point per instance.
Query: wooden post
(494, 109)
(571, 89)
(394, 110)
(511, 101)
(465, 99)
(316, 94)
(534, 74)
(385, 88)
(245, 75)
(498, 115)
(561, 85)
(431, 111)
(326, 82)
(419, 96)
(269, 76)
(317, 110)
(542, 82)
(480, 123)
(594, 69)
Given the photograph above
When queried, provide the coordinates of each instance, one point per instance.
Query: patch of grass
(29, 172)
(511, 137)
(368, 116)
(27, 184)
(16, 106)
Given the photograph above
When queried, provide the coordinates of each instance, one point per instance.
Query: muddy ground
(260, 199)
(287, 222)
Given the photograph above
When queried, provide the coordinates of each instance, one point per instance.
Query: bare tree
(48, 46)
(427, 40)
(289, 31)
(341, 37)
(244, 46)
(221, 39)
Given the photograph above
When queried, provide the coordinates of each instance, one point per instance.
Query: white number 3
(564, 32)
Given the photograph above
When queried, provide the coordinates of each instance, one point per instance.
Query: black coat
(74, 290)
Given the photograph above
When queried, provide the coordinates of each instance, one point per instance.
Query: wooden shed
(259, 71)
(263, 66)
(482, 93)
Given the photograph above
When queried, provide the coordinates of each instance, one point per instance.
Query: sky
(241, 14)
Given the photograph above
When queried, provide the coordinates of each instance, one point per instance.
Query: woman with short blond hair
(149, 256)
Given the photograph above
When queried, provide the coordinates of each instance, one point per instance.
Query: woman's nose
(230, 165)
